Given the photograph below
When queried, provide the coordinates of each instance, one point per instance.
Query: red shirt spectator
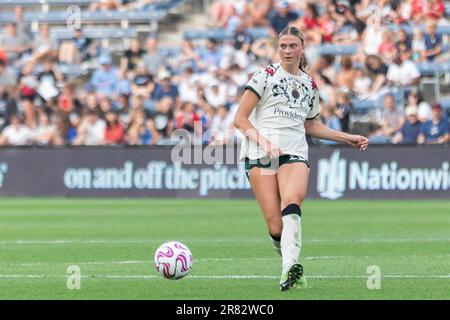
(115, 131)
(433, 9)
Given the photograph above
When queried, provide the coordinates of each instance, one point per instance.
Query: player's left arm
(317, 129)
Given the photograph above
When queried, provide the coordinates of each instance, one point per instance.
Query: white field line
(128, 262)
(201, 260)
(255, 277)
(151, 241)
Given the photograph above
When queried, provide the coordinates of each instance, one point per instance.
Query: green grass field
(113, 242)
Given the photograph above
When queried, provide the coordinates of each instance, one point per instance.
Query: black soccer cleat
(291, 279)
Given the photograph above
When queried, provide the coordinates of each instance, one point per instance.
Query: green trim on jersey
(253, 90)
(313, 117)
(267, 164)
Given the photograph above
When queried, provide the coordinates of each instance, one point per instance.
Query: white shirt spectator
(188, 90)
(403, 74)
(93, 132)
(43, 133)
(424, 112)
(17, 136)
(216, 94)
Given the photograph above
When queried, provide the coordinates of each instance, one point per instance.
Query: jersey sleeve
(257, 83)
(314, 110)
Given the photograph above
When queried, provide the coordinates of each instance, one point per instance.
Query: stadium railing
(99, 17)
(44, 4)
(431, 73)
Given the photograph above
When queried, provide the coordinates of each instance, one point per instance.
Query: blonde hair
(293, 31)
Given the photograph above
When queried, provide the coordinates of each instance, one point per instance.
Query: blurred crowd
(140, 95)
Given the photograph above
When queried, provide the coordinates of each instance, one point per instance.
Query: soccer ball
(173, 260)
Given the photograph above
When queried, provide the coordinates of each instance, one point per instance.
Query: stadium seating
(338, 50)
(98, 17)
(223, 34)
(61, 34)
(409, 29)
(431, 74)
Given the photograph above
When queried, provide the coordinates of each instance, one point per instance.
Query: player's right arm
(241, 122)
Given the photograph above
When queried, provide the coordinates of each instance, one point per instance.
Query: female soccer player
(280, 105)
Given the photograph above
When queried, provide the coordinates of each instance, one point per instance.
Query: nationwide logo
(331, 177)
(336, 176)
(3, 170)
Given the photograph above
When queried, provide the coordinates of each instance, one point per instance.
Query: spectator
(402, 71)
(91, 131)
(44, 46)
(415, 100)
(209, 57)
(372, 36)
(281, 18)
(403, 43)
(106, 78)
(132, 56)
(8, 77)
(327, 27)
(68, 127)
(346, 76)
(104, 5)
(421, 9)
(220, 13)
(435, 9)
(219, 126)
(166, 88)
(187, 86)
(163, 118)
(187, 117)
(188, 57)
(153, 59)
(436, 130)
(361, 83)
(79, 49)
(45, 133)
(49, 79)
(14, 43)
(433, 41)
(141, 131)
(216, 94)
(114, 131)
(310, 23)
(377, 71)
(418, 46)
(143, 83)
(411, 129)
(343, 109)
(330, 119)
(387, 48)
(326, 90)
(256, 13)
(392, 120)
(123, 85)
(16, 134)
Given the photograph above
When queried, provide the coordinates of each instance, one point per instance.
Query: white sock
(291, 236)
(276, 243)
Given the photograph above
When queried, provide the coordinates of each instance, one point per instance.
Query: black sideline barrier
(381, 172)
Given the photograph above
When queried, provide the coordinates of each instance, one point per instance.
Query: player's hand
(272, 150)
(358, 141)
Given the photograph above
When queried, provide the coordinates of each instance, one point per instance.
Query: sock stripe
(293, 208)
(275, 237)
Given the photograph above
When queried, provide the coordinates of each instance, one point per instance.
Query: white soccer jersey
(286, 101)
